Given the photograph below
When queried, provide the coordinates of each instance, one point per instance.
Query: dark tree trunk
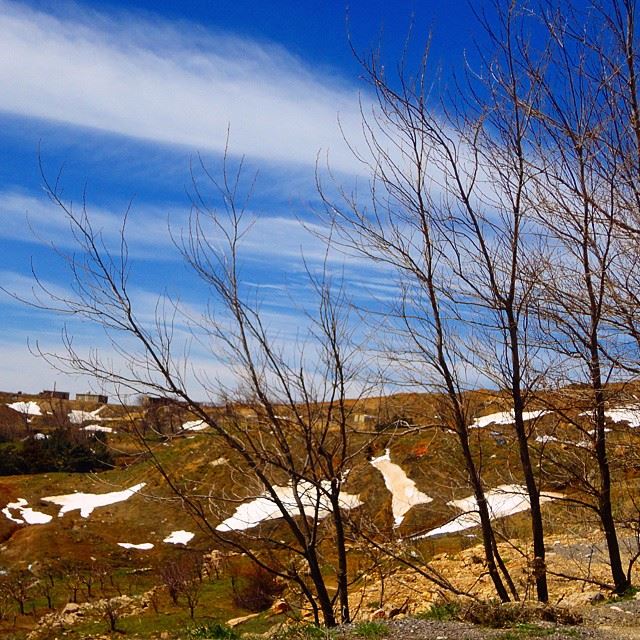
(322, 594)
(341, 549)
(605, 511)
(537, 527)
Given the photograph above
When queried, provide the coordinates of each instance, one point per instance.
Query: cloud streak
(174, 85)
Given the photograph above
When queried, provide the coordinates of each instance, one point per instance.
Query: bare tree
(577, 198)
(295, 450)
(17, 585)
(182, 578)
(111, 611)
(448, 213)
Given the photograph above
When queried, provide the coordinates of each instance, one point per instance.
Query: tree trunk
(537, 527)
(605, 511)
(321, 588)
(341, 550)
(485, 518)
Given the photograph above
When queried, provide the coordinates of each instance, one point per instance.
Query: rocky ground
(414, 610)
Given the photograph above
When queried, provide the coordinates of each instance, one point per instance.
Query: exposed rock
(234, 622)
(280, 606)
(582, 598)
(71, 607)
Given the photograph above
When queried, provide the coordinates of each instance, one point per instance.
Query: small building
(58, 395)
(92, 397)
(157, 401)
(364, 418)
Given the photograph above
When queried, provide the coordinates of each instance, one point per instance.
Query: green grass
(213, 630)
(304, 632)
(629, 594)
(371, 629)
(441, 612)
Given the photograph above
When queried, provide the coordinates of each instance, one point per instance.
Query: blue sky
(122, 96)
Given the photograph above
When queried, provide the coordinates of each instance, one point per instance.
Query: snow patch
(583, 444)
(194, 425)
(262, 508)
(145, 546)
(629, 414)
(76, 416)
(27, 408)
(27, 514)
(404, 493)
(93, 428)
(505, 417)
(179, 537)
(504, 500)
(87, 502)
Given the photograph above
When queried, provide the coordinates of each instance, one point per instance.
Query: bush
(254, 588)
(63, 450)
(516, 613)
(440, 611)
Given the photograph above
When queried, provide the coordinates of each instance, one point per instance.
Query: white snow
(29, 516)
(40, 436)
(504, 500)
(505, 417)
(76, 416)
(194, 425)
(404, 493)
(251, 514)
(28, 408)
(629, 414)
(97, 427)
(179, 537)
(145, 546)
(583, 444)
(87, 502)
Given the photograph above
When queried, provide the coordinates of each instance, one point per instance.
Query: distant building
(364, 418)
(58, 395)
(157, 401)
(92, 397)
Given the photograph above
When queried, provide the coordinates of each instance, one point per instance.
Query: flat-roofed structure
(92, 397)
(58, 395)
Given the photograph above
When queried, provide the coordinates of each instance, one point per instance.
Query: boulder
(71, 608)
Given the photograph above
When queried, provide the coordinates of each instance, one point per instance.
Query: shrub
(440, 611)
(254, 588)
(517, 613)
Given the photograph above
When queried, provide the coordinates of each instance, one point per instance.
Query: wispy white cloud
(174, 84)
(32, 218)
(153, 230)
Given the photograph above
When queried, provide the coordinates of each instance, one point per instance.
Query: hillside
(107, 541)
